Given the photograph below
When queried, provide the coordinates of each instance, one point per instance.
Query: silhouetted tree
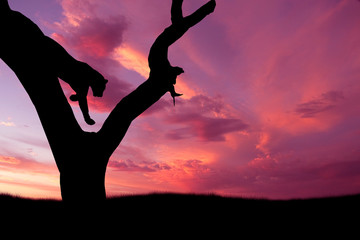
(38, 62)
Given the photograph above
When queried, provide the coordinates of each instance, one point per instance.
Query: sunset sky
(271, 104)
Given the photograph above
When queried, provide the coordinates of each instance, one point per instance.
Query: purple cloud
(94, 37)
(324, 103)
(205, 118)
(205, 128)
(132, 166)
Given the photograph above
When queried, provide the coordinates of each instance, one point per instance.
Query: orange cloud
(22, 176)
(7, 124)
(183, 175)
(136, 61)
(132, 59)
(9, 160)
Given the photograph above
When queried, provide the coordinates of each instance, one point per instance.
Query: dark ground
(187, 212)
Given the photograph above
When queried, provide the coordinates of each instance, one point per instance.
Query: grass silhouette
(189, 216)
(194, 206)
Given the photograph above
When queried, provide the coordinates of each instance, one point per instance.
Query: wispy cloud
(129, 165)
(206, 118)
(325, 102)
(205, 128)
(23, 176)
(9, 160)
(93, 37)
(132, 60)
(7, 124)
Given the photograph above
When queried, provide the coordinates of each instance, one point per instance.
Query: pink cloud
(324, 103)
(19, 175)
(179, 175)
(204, 117)
(94, 37)
(9, 160)
(129, 165)
(22, 164)
(205, 128)
(281, 177)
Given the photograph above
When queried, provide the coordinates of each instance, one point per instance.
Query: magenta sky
(271, 104)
